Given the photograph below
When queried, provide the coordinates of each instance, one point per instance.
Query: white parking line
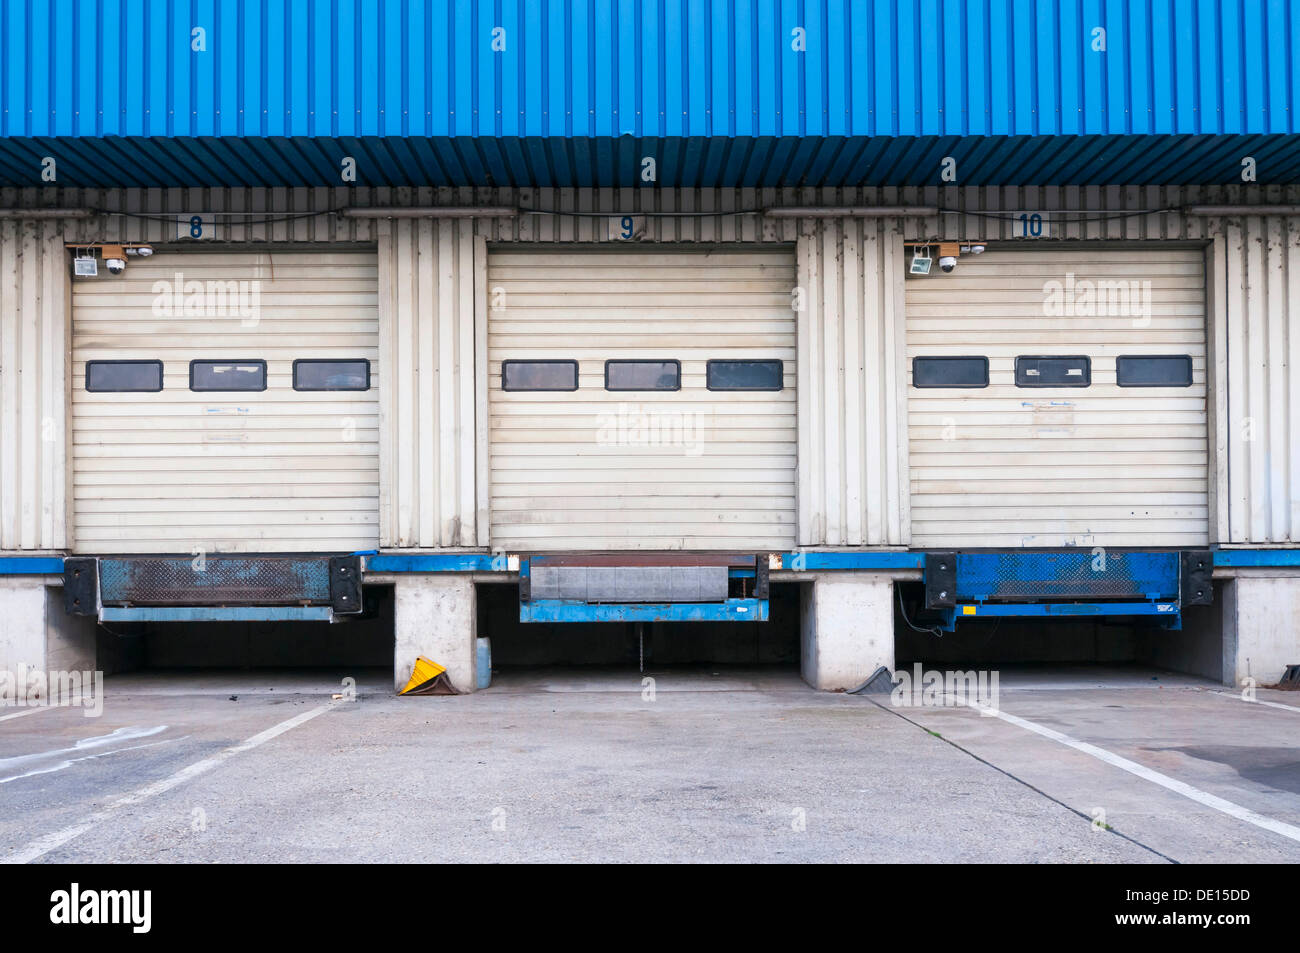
(43, 845)
(1155, 777)
(1256, 701)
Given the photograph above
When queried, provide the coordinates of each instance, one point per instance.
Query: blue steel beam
(848, 559)
(437, 562)
(1066, 609)
(1166, 613)
(851, 559)
(31, 565)
(1245, 558)
(566, 610)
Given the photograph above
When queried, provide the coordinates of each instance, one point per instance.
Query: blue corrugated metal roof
(281, 88)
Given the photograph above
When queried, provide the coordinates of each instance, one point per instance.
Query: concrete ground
(587, 766)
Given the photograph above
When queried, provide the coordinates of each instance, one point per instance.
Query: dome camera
(946, 264)
(115, 265)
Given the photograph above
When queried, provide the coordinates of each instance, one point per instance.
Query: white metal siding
(428, 271)
(571, 471)
(1095, 466)
(33, 386)
(273, 471)
(1257, 292)
(852, 461)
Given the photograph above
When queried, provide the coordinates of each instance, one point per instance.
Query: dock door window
(227, 375)
(950, 372)
(320, 374)
(1053, 371)
(124, 377)
(744, 375)
(1153, 370)
(643, 375)
(539, 375)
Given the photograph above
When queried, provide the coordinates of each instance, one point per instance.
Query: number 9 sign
(626, 228)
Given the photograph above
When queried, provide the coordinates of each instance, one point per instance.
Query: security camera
(115, 265)
(946, 264)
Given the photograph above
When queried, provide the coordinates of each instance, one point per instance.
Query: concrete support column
(846, 629)
(435, 615)
(36, 633)
(1261, 626)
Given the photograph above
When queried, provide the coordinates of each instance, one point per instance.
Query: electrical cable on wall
(278, 218)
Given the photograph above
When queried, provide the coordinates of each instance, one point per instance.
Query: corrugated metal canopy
(695, 162)
(720, 92)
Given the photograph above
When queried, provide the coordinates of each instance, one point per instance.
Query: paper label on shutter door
(1053, 418)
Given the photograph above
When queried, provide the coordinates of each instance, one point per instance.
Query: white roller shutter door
(1103, 465)
(691, 469)
(277, 470)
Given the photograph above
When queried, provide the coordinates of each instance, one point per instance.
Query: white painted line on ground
(1155, 777)
(43, 845)
(1256, 701)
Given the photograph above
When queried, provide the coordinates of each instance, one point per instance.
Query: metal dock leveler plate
(228, 587)
(634, 587)
(1070, 583)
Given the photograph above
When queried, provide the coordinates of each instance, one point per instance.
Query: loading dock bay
(1090, 763)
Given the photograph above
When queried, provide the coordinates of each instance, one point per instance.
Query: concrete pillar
(1261, 625)
(36, 633)
(435, 615)
(22, 622)
(846, 629)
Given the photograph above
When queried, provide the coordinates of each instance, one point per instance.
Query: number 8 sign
(196, 226)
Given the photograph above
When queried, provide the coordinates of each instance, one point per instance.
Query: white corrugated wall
(33, 386)
(852, 475)
(426, 335)
(1257, 286)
